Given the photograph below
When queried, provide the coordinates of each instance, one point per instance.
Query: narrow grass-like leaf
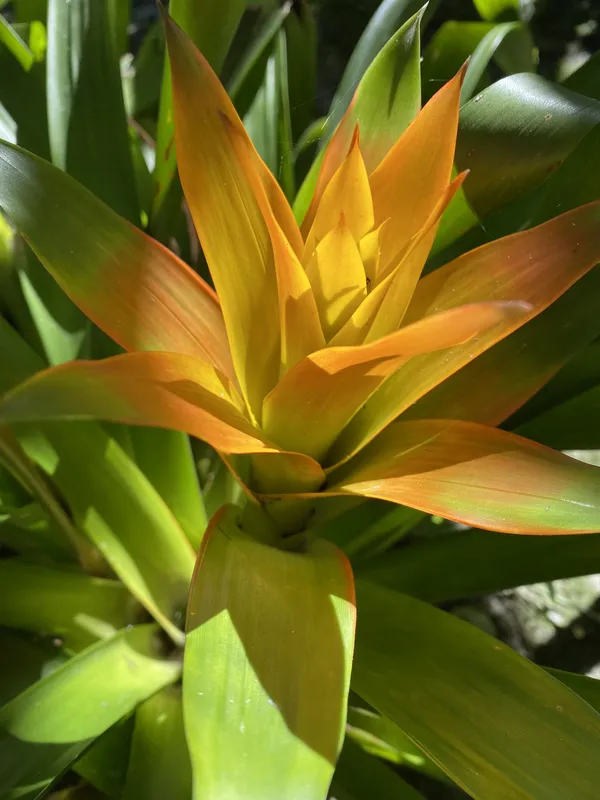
(44, 729)
(543, 739)
(82, 77)
(255, 729)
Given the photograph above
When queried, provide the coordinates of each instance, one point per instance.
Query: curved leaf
(515, 133)
(286, 620)
(386, 100)
(535, 266)
(211, 25)
(543, 739)
(64, 603)
(136, 290)
(44, 729)
(476, 475)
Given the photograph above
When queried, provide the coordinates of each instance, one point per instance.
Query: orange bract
(332, 331)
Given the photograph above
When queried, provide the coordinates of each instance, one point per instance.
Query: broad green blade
(24, 659)
(454, 42)
(64, 603)
(514, 133)
(389, 18)
(137, 291)
(569, 426)
(110, 500)
(380, 737)
(496, 723)
(86, 113)
(475, 562)
(385, 95)
(159, 762)
(492, 9)
(105, 763)
(211, 26)
(362, 777)
(266, 667)
(44, 729)
(166, 459)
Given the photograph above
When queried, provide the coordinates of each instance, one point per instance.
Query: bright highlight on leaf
(316, 358)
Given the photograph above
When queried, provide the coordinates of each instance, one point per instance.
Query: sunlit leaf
(477, 475)
(255, 729)
(543, 739)
(132, 287)
(44, 729)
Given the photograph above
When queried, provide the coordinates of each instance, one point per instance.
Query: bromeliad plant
(307, 371)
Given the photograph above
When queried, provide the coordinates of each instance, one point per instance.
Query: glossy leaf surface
(543, 739)
(46, 727)
(252, 725)
(479, 476)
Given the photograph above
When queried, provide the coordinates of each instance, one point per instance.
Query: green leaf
(104, 764)
(454, 42)
(159, 764)
(492, 9)
(24, 98)
(268, 632)
(496, 723)
(16, 461)
(23, 661)
(64, 603)
(166, 459)
(586, 79)
(86, 113)
(385, 94)
(242, 85)
(495, 384)
(8, 127)
(15, 44)
(389, 18)
(380, 737)
(474, 562)
(211, 25)
(514, 134)
(44, 729)
(268, 120)
(362, 777)
(111, 500)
